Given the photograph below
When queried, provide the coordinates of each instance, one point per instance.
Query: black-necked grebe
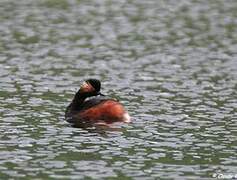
(89, 107)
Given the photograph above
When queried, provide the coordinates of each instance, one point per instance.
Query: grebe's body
(90, 107)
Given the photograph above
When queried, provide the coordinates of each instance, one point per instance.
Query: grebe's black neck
(77, 101)
(79, 98)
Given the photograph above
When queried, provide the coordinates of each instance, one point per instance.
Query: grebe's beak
(99, 93)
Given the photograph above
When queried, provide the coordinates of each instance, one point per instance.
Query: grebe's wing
(95, 101)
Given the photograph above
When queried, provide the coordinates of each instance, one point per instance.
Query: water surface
(173, 65)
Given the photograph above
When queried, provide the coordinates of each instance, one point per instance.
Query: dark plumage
(90, 107)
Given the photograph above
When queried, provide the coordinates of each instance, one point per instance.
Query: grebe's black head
(90, 87)
(95, 84)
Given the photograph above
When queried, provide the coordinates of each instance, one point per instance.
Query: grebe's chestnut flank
(90, 107)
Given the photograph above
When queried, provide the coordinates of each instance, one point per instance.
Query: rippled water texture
(173, 64)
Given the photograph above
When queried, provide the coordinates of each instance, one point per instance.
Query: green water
(173, 64)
